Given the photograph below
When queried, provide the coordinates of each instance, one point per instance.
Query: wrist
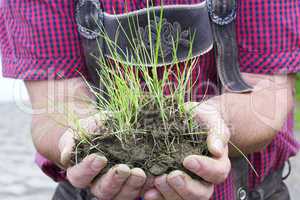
(46, 135)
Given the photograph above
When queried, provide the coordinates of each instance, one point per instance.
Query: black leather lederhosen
(217, 14)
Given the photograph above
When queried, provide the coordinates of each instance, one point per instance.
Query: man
(40, 44)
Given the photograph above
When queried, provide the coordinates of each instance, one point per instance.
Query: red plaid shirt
(39, 41)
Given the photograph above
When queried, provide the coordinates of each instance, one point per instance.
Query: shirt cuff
(50, 168)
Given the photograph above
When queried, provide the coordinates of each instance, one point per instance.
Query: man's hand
(56, 143)
(119, 183)
(213, 170)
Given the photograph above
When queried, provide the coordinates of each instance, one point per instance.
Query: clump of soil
(156, 146)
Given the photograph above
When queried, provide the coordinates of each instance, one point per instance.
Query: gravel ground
(20, 179)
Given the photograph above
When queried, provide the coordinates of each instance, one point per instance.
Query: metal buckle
(218, 19)
(242, 194)
(89, 28)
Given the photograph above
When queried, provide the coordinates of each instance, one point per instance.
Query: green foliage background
(297, 111)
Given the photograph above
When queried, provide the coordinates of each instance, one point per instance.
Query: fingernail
(65, 157)
(139, 175)
(218, 145)
(122, 171)
(98, 162)
(177, 179)
(192, 164)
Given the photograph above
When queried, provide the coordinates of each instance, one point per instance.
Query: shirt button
(242, 194)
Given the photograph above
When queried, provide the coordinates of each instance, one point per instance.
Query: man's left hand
(213, 170)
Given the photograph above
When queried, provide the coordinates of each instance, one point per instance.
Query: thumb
(202, 111)
(66, 145)
(207, 113)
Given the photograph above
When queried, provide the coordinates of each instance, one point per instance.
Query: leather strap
(240, 177)
(272, 188)
(223, 14)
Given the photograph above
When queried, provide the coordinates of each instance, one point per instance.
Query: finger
(133, 185)
(66, 145)
(109, 185)
(82, 174)
(148, 185)
(188, 188)
(217, 139)
(164, 188)
(210, 169)
(153, 194)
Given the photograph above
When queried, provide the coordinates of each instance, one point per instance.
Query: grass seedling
(147, 125)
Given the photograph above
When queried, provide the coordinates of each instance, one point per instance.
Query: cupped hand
(213, 170)
(119, 183)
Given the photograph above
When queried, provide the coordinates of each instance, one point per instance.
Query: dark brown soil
(153, 145)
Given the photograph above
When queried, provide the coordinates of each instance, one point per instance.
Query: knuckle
(133, 188)
(106, 191)
(201, 166)
(223, 172)
(199, 172)
(114, 186)
(136, 185)
(75, 180)
(117, 182)
(222, 175)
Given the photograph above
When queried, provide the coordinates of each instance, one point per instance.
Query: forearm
(55, 105)
(255, 118)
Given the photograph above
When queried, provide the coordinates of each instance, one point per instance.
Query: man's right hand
(119, 183)
(56, 143)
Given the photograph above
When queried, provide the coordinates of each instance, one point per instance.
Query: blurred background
(20, 179)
